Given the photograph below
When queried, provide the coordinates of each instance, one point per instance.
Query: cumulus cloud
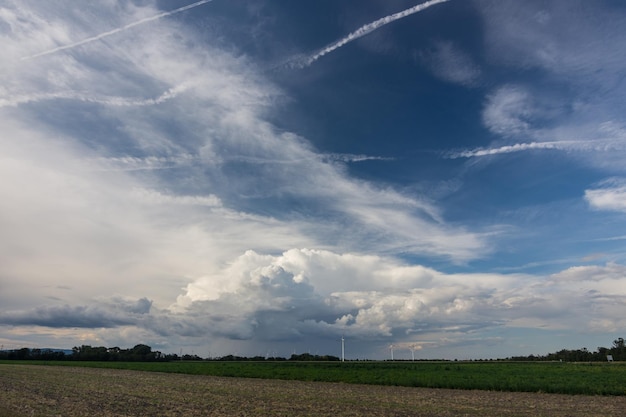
(325, 294)
(321, 293)
(307, 296)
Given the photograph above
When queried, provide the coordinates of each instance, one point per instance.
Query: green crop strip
(563, 378)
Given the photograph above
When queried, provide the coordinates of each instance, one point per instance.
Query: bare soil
(67, 391)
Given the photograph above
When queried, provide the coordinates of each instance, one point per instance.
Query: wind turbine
(343, 351)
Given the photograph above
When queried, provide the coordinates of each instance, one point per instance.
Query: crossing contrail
(364, 30)
(114, 31)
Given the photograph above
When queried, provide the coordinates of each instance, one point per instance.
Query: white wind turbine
(343, 352)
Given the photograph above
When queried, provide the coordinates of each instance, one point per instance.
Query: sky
(266, 177)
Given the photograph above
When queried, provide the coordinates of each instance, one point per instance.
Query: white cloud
(136, 163)
(448, 62)
(508, 110)
(574, 102)
(111, 32)
(308, 296)
(229, 132)
(559, 36)
(142, 164)
(133, 163)
(611, 272)
(612, 196)
(324, 293)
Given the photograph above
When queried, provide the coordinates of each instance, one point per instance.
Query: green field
(548, 377)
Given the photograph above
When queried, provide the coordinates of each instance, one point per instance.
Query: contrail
(130, 163)
(364, 30)
(348, 157)
(598, 145)
(120, 29)
(110, 101)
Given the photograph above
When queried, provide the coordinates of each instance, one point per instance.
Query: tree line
(138, 353)
(141, 352)
(294, 357)
(616, 352)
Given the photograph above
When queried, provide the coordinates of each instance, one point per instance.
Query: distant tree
(230, 358)
(142, 352)
(619, 349)
(302, 357)
(309, 357)
(22, 354)
(601, 354)
(90, 353)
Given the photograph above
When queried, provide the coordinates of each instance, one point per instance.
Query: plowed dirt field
(66, 391)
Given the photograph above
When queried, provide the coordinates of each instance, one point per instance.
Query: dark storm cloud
(100, 315)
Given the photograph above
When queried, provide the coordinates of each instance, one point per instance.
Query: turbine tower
(343, 351)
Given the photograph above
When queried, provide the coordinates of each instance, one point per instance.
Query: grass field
(547, 377)
(46, 391)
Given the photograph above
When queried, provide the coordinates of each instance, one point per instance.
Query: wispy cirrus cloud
(448, 62)
(555, 37)
(508, 110)
(133, 163)
(572, 104)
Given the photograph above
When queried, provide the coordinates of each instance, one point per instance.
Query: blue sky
(260, 177)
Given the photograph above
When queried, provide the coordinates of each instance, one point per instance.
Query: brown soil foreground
(66, 391)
